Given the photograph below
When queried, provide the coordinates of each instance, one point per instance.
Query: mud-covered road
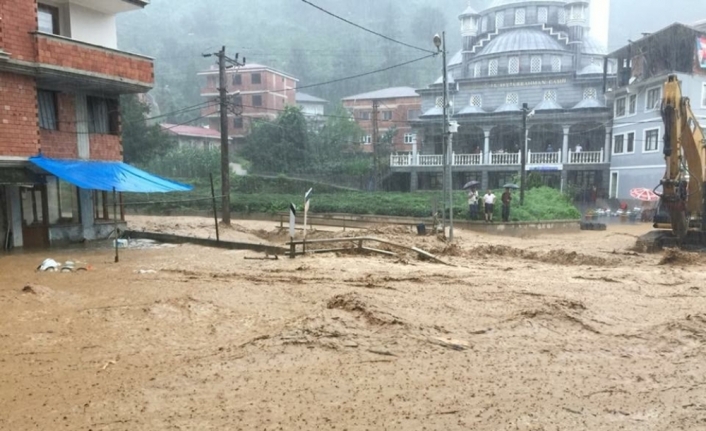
(555, 332)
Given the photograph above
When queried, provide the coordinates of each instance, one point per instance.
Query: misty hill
(292, 36)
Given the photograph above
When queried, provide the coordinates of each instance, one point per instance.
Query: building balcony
(535, 161)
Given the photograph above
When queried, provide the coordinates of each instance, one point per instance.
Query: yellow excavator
(682, 206)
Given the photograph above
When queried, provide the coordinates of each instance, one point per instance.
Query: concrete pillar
(565, 146)
(87, 216)
(13, 198)
(484, 181)
(486, 146)
(53, 200)
(83, 142)
(564, 179)
(413, 181)
(608, 144)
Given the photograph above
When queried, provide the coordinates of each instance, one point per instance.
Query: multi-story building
(397, 107)
(643, 68)
(515, 52)
(60, 77)
(257, 93)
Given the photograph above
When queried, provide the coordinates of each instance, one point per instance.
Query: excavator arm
(683, 190)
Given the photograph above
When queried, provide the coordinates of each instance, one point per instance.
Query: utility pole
(440, 43)
(223, 107)
(523, 154)
(225, 156)
(375, 137)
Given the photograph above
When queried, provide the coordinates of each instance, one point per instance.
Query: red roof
(198, 132)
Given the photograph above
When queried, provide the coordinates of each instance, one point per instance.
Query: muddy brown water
(569, 331)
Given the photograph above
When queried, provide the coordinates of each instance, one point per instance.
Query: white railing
(403, 160)
(586, 157)
(505, 158)
(544, 158)
(468, 159)
(431, 160)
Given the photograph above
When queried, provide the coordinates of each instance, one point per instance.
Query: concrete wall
(66, 234)
(94, 27)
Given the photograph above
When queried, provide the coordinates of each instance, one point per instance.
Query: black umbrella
(471, 184)
(511, 186)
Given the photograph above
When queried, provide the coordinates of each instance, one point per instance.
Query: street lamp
(440, 43)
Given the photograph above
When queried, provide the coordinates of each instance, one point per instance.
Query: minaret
(577, 13)
(470, 27)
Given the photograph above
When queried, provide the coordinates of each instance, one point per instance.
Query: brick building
(199, 138)
(397, 106)
(60, 77)
(257, 92)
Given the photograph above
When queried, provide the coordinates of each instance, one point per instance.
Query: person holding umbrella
(506, 199)
(472, 199)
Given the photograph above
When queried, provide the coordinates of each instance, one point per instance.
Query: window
(413, 114)
(48, 19)
(632, 104)
(654, 98)
(387, 116)
(364, 115)
(590, 94)
(237, 79)
(556, 64)
(499, 20)
(493, 68)
(238, 100)
(68, 202)
(410, 138)
(613, 185)
(484, 25)
(512, 99)
(103, 117)
(536, 64)
(520, 16)
(257, 100)
(47, 110)
(562, 16)
(550, 95)
(477, 100)
(576, 12)
(238, 122)
(256, 78)
(651, 140)
(624, 144)
(513, 67)
(477, 69)
(542, 15)
(620, 107)
(367, 139)
(440, 102)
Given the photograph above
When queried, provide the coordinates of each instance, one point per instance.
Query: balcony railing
(500, 159)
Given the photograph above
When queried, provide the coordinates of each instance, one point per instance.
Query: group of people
(489, 204)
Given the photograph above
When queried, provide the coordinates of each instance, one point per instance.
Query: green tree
(280, 145)
(141, 141)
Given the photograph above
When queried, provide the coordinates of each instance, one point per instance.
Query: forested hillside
(292, 36)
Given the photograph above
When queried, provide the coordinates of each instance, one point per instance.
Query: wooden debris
(450, 343)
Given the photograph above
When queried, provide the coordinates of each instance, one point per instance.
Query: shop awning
(107, 176)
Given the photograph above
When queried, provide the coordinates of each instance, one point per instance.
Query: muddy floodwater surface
(553, 332)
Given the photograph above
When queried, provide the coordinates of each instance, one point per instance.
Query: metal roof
(468, 12)
(433, 112)
(471, 110)
(523, 39)
(501, 3)
(548, 105)
(591, 69)
(592, 46)
(589, 104)
(303, 97)
(184, 130)
(385, 93)
(456, 59)
(508, 107)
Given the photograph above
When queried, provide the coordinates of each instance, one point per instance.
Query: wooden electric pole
(225, 156)
(376, 144)
(523, 154)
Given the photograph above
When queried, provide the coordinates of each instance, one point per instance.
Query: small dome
(508, 107)
(433, 112)
(548, 105)
(449, 77)
(589, 104)
(591, 69)
(468, 110)
(501, 3)
(521, 40)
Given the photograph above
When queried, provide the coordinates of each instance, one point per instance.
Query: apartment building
(643, 68)
(257, 92)
(396, 108)
(60, 78)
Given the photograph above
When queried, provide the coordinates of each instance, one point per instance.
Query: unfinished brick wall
(106, 147)
(74, 55)
(17, 20)
(18, 116)
(62, 143)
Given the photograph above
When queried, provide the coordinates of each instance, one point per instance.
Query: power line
(368, 30)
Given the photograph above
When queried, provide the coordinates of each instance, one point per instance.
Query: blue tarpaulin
(107, 176)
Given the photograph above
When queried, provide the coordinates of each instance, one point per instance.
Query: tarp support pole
(115, 218)
(215, 214)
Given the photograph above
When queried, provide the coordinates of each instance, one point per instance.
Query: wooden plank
(177, 239)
